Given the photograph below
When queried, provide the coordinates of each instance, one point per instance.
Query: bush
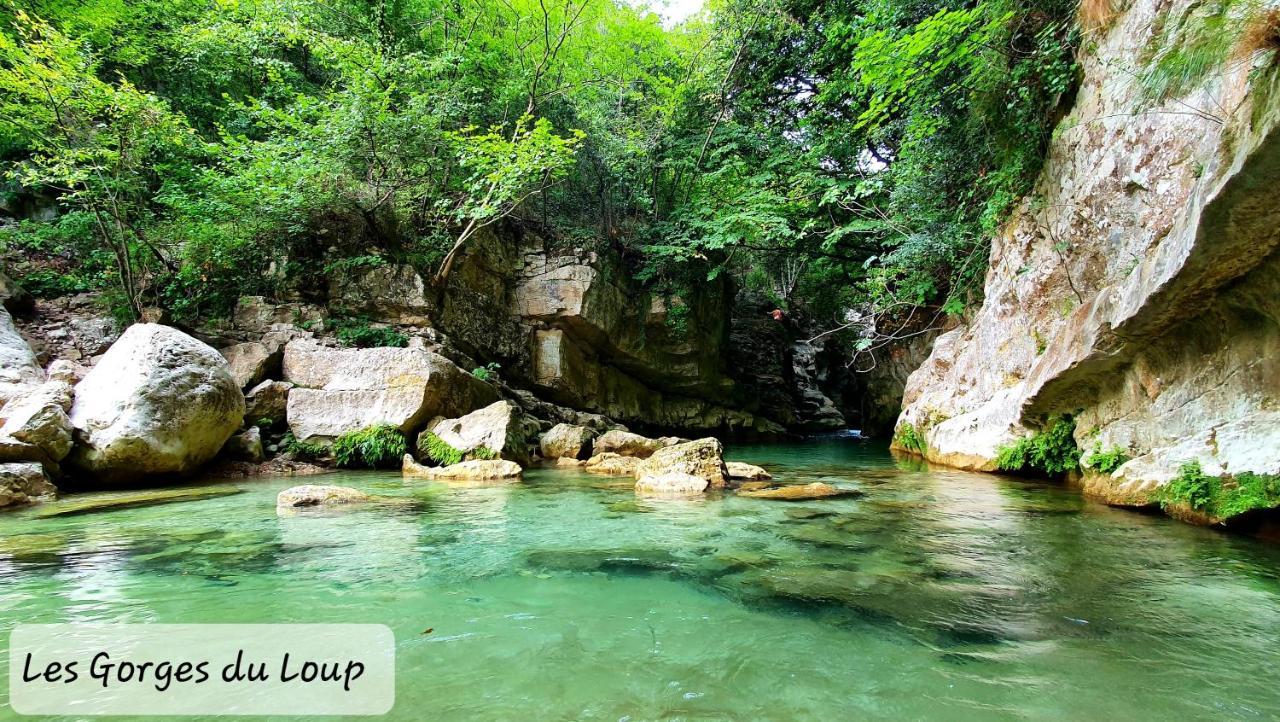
(434, 448)
(910, 439)
(1107, 461)
(365, 336)
(372, 447)
(1220, 497)
(1052, 451)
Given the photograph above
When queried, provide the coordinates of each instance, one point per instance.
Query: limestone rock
(567, 441)
(250, 362)
(39, 417)
(245, 446)
(703, 458)
(343, 390)
(499, 427)
(267, 404)
(672, 484)
(625, 443)
(23, 483)
(66, 371)
(257, 315)
(612, 464)
(310, 495)
(159, 402)
(801, 492)
(475, 470)
(19, 370)
(750, 472)
(389, 293)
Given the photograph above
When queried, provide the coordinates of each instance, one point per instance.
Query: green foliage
(360, 334)
(302, 450)
(1194, 44)
(488, 372)
(483, 453)
(1220, 497)
(909, 438)
(436, 449)
(374, 447)
(1052, 451)
(1107, 461)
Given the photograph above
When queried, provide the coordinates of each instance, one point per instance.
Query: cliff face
(1137, 287)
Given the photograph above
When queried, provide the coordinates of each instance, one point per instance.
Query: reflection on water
(936, 595)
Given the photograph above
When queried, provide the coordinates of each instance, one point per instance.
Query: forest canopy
(832, 155)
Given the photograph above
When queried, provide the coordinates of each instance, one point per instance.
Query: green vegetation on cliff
(1052, 451)
(825, 153)
(1220, 497)
(375, 447)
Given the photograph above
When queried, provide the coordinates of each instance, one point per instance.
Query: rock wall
(1136, 287)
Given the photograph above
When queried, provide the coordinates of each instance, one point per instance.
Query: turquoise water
(938, 595)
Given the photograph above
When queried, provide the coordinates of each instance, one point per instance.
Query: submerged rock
(500, 427)
(343, 390)
(24, 483)
(566, 441)
(610, 463)
(309, 495)
(751, 472)
(159, 402)
(131, 500)
(673, 484)
(800, 492)
(702, 458)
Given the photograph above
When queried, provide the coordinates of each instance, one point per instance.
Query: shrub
(1220, 497)
(373, 447)
(910, 439)
(434, 448)
(366, 336)
(1052, 451)
(1107, 461)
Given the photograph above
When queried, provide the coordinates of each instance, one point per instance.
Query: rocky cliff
(1136, 287)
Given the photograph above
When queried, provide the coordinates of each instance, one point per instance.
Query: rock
(39, 417)
(256, 315)
(566, 462)
(566, 441)
(159, 402)
(310, 495)
(245, 446)
(474, 470)
(343, 390)
(613, 464)
(389, 293)
(673, 484)
(15, 298)
(801, 492)
(66, 371)
(267, 404)
(19, 370)
(625, 443)
(23, 483)
(755, 485)
(703, 458)
(250, 362)
(115, 501)
(499, 427)
(750, 472)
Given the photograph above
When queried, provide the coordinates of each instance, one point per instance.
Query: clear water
(938, 595)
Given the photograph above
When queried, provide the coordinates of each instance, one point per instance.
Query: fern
(436, 449)
(1052, 451)
(372, 447)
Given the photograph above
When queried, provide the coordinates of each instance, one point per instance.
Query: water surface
(937, 595)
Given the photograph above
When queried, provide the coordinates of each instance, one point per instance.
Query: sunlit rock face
(1136, 287)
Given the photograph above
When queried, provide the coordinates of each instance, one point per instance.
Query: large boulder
(500, 427)
(625, 443)
(158, 402)
(703, 458)
(19, 370)
(339, 390)
(566, 441)
(23, 483)
(39, 418)
(250, 362)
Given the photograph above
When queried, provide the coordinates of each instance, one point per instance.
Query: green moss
(1052, 451)
(434, 448)
(910, 439)
(1107, 461)
(302, 450)
(373, 447)
(1220, 497)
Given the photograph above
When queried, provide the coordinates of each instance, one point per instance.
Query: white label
(202, 669)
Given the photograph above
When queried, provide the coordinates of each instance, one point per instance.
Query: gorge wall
(1136, 287)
